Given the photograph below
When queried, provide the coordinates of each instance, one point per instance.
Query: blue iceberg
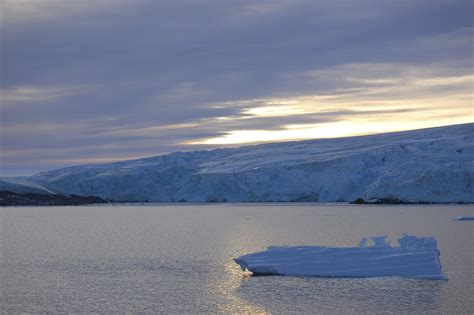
(416, 257)
(464, 218)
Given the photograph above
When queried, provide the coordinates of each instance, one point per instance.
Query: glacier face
(433, 165)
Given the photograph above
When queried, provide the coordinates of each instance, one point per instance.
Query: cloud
(374, 98)
(34, 11)
(85, 80)
(22, 94)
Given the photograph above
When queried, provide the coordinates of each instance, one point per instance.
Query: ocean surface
(178, 258)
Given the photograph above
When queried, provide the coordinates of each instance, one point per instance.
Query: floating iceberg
(416, 257)
(464, 218)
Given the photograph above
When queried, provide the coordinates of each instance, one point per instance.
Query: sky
(92, 81)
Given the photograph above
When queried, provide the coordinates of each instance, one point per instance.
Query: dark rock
(388, 201)
(8, 198)
(358, 201)
(306, 198)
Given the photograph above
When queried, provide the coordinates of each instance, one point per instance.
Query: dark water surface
(178, 258)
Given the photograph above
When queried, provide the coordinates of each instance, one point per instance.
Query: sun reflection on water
(242, 239)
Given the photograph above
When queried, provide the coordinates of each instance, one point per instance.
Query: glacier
(416, 257)
(426, 165)
(23, 185)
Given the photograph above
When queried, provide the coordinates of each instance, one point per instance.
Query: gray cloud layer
(85, 81)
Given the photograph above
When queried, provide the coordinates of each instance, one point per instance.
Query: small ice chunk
(419, 242)
(464, 218)
(416, 257)
(363, 242)
(380, 241)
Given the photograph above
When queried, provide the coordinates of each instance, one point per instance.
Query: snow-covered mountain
(434, 165)
(23, 185)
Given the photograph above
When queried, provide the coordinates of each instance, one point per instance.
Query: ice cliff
(432, 165)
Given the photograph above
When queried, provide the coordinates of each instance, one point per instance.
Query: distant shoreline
(8, 198)
(11, 199)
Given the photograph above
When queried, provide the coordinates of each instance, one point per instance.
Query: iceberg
(416, 257)
(464, 218)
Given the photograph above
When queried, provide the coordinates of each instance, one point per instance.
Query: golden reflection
(246, 236)
(227, 286)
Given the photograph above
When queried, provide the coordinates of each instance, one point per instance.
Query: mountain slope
(434, 165)
(23, 185)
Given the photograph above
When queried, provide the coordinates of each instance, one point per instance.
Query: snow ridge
(428, 165)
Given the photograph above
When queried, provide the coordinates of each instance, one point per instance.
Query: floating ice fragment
(464, 218)
(380, 241)
(416, 257)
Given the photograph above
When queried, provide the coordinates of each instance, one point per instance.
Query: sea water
(178, 258)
